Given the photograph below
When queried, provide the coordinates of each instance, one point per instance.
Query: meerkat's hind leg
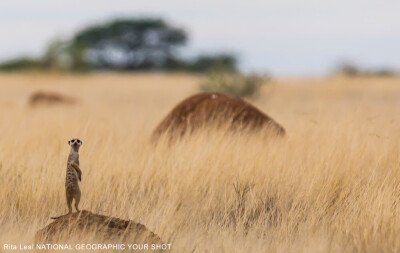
(77, 199)
(69, 202)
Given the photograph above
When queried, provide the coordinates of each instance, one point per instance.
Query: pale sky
(282, 37)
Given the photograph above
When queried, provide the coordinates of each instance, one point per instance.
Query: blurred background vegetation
(233, 84)
(144, 44)
(350, 69)
(152, 44)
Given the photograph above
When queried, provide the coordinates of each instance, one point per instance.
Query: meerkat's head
(75, 144)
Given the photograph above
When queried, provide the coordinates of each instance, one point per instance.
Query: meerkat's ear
(69, 142)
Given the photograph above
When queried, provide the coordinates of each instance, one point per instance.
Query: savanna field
(332, 184)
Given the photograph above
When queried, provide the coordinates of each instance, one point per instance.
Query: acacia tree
(130, 44)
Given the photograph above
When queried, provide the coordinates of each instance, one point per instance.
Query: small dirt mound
(49, 98)
(215, 109)
(91, 227)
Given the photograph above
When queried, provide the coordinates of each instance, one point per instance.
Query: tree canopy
(130, 44)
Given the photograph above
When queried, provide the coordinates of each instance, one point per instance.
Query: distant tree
(352, 70)
(58, 55)
(385, 72)
(129, 44)
(23, 63)
(348, 69)
(176, 64)
(220, 62)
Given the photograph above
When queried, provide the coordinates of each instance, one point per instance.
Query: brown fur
(103, 228)
(49, 98)
(78, 170)
(218, 109)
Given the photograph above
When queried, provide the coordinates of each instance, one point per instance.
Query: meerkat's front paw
(78, 170)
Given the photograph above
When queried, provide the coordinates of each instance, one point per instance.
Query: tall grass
(331, 185)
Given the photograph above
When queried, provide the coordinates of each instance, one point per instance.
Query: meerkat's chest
(73, 157)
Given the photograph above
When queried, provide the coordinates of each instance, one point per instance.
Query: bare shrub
(232, 84)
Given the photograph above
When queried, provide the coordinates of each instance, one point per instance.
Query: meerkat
(73, 174)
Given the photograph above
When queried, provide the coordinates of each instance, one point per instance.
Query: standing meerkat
(73, 174)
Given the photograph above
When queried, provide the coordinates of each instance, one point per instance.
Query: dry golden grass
(331, 185)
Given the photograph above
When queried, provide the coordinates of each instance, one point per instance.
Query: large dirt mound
(85, 225)
(49, 98)
(215, 109)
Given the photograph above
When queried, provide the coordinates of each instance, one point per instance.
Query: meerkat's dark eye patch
(79, 141)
